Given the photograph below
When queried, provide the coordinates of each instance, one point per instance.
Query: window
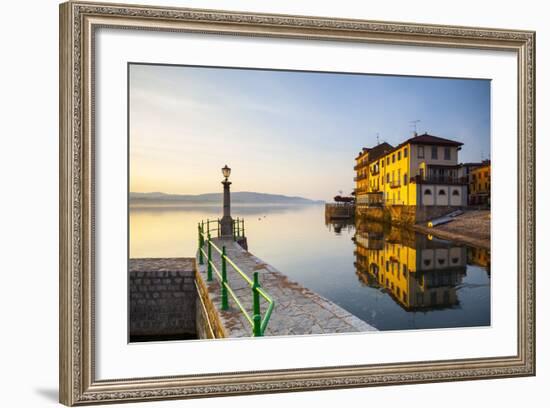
(447, 153)
(399, 155)
(434, 152)
(405, 152)
(393, 158)
(405, 179)
(404, 270)
(388, 160)
(456, 192)
(441, 192)
(387, 177)
(420, 152)
(427, 192)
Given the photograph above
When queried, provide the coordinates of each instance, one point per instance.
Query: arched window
(455, 192)
(441, 192)
(427, 192)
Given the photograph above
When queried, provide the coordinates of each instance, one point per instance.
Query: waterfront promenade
(297, 310)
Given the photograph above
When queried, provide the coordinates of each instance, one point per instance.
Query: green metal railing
(255, 319)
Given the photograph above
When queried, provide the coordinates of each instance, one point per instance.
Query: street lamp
(226, 171)
(226, 221)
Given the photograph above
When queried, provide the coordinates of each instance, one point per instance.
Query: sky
(286, 132)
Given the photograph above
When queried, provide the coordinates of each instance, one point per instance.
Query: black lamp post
(226, 221)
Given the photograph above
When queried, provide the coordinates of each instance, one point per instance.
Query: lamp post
(226, 221)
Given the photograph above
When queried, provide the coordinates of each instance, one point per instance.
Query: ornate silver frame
(78, 21)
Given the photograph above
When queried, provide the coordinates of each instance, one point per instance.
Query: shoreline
(453, 236)
(473, 227)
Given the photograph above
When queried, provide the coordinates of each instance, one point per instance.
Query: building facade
(422, 171)
(480, 185)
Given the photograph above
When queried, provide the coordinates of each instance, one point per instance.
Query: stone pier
(297, 311)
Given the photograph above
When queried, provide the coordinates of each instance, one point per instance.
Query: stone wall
(162, 299)
(402, 214)
(208, 323)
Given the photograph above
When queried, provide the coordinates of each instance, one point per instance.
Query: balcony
(360, 177)
(395, 184)
(360, 165)
(440, 180)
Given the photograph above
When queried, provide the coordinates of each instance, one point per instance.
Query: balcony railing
(440, 180)
(395, 184)
(360, 177)
(360, 165)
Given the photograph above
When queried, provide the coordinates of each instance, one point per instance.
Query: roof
(379, 150)
(362, 152)
(477, 164)
(429, 139)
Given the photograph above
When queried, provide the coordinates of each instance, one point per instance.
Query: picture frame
(79, 22)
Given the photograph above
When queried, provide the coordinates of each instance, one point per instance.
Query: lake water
(389, 277)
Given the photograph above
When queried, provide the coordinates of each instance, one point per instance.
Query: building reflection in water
(337, 226)
(480, 257)
(419, 272)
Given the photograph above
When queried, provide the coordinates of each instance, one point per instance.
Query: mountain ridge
(238, 197)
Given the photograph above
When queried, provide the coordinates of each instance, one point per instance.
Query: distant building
(465, 173)
(421, 171)
(480, 185)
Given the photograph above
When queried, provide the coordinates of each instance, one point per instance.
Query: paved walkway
(297, 310)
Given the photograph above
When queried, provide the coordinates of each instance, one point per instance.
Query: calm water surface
(389, 277)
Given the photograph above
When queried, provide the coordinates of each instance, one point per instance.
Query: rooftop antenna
(414, 124)
(377, 138)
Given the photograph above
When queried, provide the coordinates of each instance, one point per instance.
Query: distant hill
(239, 197)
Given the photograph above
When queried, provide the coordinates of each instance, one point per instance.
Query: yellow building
(480, 184)
(421, 171)
(362, 178)
(417, 272)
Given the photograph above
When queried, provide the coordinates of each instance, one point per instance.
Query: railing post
(243, 227)
(219, 235)
(225, 303)
(257, 330)
(238, 228)
(209, 269)
(208, 226)
(234, 234)
(201, 244)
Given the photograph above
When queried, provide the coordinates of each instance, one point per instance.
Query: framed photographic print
(261, 203)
